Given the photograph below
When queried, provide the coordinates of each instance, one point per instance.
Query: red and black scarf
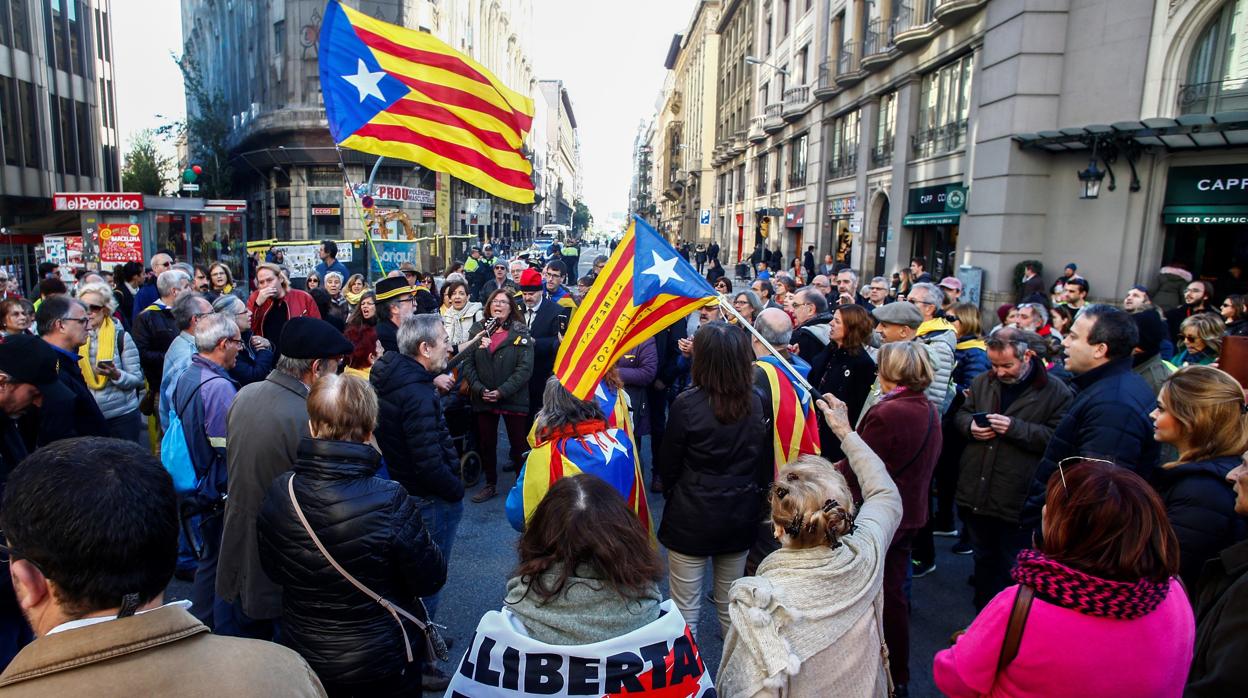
(1081, 592)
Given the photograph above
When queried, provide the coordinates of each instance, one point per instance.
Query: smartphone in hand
(981, 420)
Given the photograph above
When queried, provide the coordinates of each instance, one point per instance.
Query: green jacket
(507, 370)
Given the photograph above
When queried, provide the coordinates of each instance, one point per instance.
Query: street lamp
(755, 60)
(1090, 180)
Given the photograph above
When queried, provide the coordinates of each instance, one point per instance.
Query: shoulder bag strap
(1014, 628)
(394, 610)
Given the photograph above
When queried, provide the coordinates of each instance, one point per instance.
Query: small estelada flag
(405, 94)
(644, 287)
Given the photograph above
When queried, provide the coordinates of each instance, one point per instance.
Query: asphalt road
(484, 555)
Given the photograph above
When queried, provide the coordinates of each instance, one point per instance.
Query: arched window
(1217, 73)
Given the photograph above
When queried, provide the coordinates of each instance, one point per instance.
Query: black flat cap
(312, 338)
(28, 359)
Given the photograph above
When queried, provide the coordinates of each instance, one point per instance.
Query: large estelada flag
(401, 93)
(796, 429)
(645, 287)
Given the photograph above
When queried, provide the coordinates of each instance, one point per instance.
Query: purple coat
(638, 369)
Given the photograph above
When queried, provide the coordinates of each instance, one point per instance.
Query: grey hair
(880, 280)
(186, 307)
(562, 408)
(752, 298)
(851, 272)
(187, 268)
(295, 368)
(171, 280)
(1019, 341)
(226, 302)
(1040, 311)
(417, 330)
(775, 327)
(927, 292)
(101, 289)
(814, 297)
(211, 329)
(332, 273)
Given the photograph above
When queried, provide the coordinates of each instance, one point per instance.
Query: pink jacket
(1065, 653)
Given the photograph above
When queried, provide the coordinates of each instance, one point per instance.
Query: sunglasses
(94, 308)
(1190, 338)
(1077, 459)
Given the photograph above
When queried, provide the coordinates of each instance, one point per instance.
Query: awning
(1187, 132)
(1205, 215)
(913, 219)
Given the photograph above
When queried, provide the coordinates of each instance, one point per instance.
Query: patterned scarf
(1083, 593)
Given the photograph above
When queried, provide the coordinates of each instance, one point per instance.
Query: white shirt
(530, 313)
(96, 620)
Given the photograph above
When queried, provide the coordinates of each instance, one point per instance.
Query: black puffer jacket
(715, 476)
(373, 529)
(411, 429)
(1201, 506)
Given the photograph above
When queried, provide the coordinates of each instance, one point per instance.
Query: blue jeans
(441, 520)
(204, 586)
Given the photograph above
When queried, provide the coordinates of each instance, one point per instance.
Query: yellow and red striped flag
(401, 93)
(796, 429)
(645, 287)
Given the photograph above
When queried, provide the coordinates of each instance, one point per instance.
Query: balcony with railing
(775, 185)
(773, 117)
(1213, 97)
(826, 87)
(761, 187)
(882, 153)
(950, 12)
(796, 102)
(914, 24)
(844, 165)
(756, 134)
(739, 143)
(797, 179)
(848, 68)
(941, 139)
(877, 45)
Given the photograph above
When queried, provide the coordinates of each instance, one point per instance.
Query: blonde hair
(101, 289)
(1209, 327)
(342, 408)
(1208, 404)
(811, 503)
(967, 315)
(906, 364)
(277, 271)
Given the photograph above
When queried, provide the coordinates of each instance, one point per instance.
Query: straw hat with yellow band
(105, 350)
(393, 287)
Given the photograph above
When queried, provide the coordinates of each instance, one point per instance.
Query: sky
(612, 77)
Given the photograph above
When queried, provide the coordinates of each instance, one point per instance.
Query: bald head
(775, 327)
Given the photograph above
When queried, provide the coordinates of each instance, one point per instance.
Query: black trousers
(997, 543)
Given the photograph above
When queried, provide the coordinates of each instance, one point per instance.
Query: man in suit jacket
(547, 321)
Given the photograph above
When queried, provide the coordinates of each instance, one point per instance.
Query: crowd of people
(301, 457)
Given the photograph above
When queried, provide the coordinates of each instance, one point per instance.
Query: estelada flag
(645, 287)
(795, 427)
(401, 93)
(590, 448)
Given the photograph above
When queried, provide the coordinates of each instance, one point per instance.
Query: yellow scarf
(934, 325)
(354, 298)
(104, 351)
(228, 288)
(972, 343)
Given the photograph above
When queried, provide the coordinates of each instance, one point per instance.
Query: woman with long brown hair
(1098, 604)
(1200, 412)
(715, 464)
(845, 369)
(497, 371)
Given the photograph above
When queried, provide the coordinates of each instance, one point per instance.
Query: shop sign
(943, 198)
(120, 243)
(394, 192)
(842, 206)
(428, 213)
(1214, 185)
(73, 201)
(326, 210)
(283, 213)
(225, 205)
(795, 216)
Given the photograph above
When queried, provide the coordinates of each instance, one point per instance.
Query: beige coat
(165, 652)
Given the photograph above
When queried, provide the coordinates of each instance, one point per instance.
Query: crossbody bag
(434, 643)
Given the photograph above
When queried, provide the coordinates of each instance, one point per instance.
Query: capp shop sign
(75, 201)
(659, 660)
(1218, 184)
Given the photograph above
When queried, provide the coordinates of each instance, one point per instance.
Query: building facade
(58, 119)
(951, 131)
(262, 56)
(561, 177)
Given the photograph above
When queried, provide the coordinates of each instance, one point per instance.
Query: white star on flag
(665, 269)
(608, 443)
(367, 83)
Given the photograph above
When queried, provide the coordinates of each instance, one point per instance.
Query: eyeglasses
(1077, 459)
(878, 288)
(236, 342)
(83, 320)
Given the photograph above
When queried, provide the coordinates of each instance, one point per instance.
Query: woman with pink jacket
(1107, 614)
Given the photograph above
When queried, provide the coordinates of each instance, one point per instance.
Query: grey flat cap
(899, 313)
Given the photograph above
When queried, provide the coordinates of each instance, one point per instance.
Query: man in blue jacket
(1109, 416)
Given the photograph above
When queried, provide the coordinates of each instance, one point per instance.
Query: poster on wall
(301, 260)
(120, 243)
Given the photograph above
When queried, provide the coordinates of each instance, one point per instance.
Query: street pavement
(484, 555)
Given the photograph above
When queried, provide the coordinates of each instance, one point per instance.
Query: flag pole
(724, 303)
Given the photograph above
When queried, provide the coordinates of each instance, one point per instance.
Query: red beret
(530, 280)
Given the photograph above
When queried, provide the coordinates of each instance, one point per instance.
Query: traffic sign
(705, 218)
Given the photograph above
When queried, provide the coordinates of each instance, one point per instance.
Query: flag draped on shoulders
(657, 660)
(645, 287)
(405, 94)
(796, 429)
(590, 447)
